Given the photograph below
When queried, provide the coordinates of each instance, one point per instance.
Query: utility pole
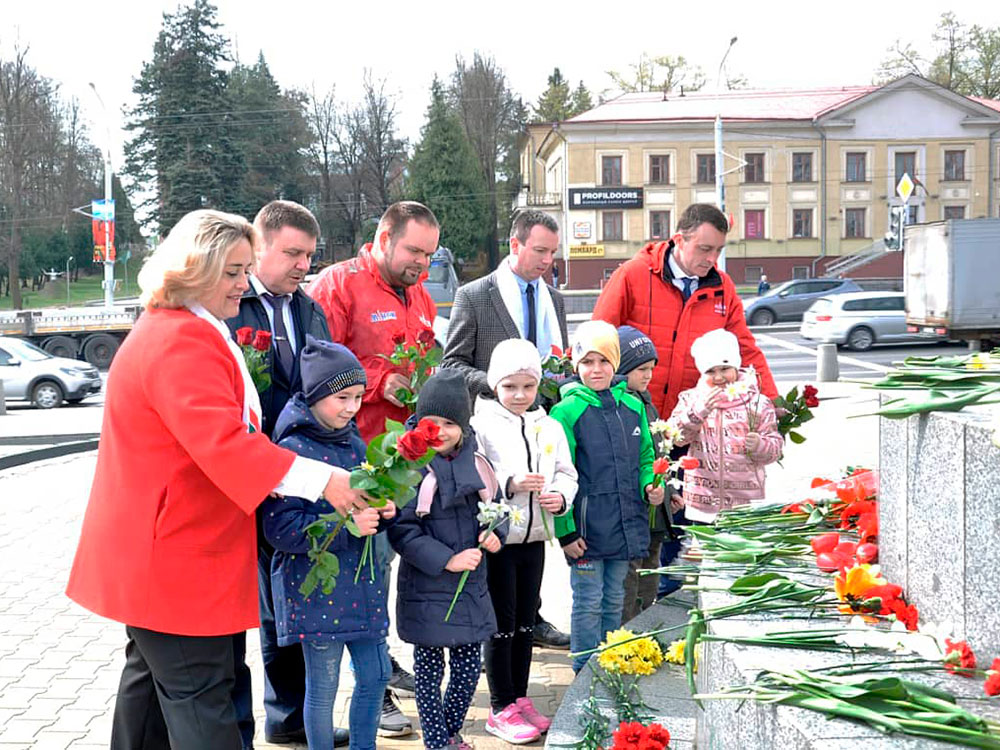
(720, 155)
(109, 263)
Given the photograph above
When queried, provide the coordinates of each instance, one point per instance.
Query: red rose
(992, 684)
(244, 336)
(661, 466)
(809, 391)
(262, 341)
(426, 338)
(958, 657)
(412, 445)
(399, 338)
(812, 402)
(430, 432)
(690, 462)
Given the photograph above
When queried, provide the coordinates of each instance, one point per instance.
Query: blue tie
(688, 281)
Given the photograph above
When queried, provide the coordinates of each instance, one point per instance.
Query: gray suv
(32, 374)
(789, 301)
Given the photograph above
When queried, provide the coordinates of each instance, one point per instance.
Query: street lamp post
(109, 264)
(68, 261)
(720, 172)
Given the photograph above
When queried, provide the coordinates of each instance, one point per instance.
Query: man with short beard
(373, 301)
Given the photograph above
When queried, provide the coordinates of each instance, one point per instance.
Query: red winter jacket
(364, 313)
(641, 294)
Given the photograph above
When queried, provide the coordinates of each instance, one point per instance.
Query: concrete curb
(50, 451)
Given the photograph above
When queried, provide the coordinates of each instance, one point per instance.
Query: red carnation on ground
(818, 482)
(690, 462)
(992, 684)
(412, 445)
(430, 432)
(905, 613)
(244, 336)
(959, 658)
(262, 341)
(867, 526)
(399, 338)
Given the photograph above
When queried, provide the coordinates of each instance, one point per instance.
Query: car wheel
(47, 395)
(861, 339)
(763, 317)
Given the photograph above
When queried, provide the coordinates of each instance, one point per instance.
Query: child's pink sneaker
(511, 727)
(457, 743)
(529, 712)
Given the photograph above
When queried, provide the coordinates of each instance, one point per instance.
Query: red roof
(778, 104)
(991, 103)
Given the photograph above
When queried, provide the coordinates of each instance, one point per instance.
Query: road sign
(905, 187)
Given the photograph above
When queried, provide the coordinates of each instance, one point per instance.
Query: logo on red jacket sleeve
(380, 316)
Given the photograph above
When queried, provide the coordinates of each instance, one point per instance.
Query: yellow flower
(365, 466)
(675, 654)
(549, 449)
(640, 656)
(978, 361)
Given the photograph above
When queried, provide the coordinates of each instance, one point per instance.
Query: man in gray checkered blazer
(496, 307)
(512, 302)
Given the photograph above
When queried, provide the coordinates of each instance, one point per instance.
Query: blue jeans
(322, 678)
(598, 597)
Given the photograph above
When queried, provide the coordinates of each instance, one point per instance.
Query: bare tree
(490, 114)
(382, 151)
(321, 115)
(663, 73)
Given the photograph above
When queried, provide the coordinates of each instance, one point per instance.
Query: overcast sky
(781, 44)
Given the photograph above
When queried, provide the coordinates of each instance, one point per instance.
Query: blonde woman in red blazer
(168, 540)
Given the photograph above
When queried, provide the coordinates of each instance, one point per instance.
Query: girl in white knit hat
(535, 470)
(731, 427)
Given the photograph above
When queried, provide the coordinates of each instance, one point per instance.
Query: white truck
(90, 333)
(951, 276)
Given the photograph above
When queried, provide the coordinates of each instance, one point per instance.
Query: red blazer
(637, 295)
(364, 313)
(168, 540)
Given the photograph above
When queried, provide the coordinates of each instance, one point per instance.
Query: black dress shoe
(341, 738)
(548, 635)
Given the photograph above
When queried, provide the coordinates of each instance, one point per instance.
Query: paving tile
(23, 730)
(15, 697)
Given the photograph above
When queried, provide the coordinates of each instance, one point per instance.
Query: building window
(752, 274)
(659, 225)
(659, 169)
(913, 214)
(802, 222)
(954, 212)
(800, 272)
(706, 168)
(856, 171)
(611, 222)
(611, 170)
(854, 222)
(754, 170)
(802, 167)
(954, 165)
(753, 224)
(906, 163)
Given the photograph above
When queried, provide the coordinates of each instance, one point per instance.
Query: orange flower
(853, 584)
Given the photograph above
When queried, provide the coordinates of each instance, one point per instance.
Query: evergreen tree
(582, 100)
(271, 134)
(444, 176)
(555, 102)
(183, 151)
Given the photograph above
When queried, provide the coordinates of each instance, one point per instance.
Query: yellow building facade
(810, 176)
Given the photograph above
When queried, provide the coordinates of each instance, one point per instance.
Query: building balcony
(539, 200)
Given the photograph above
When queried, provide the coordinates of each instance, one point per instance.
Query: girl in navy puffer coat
(318, 424)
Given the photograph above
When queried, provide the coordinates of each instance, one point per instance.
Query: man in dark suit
(512, 302)
(275, 303)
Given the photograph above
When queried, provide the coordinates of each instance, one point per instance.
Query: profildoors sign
(605, 197)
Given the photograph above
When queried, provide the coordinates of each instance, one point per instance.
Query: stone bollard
(827, 367)
(3, 400)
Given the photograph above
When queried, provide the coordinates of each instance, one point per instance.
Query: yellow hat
(596, 336)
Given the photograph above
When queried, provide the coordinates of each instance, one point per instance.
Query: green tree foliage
(582, 100)
(558, 103)
(185, 149)
(664, 73)
(271, 135)
(444, 176)
(964, 59)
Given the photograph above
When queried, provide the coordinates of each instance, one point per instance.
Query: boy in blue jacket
(319, 423)
(612, 450)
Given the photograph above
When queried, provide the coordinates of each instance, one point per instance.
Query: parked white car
(32, 374)
(859, 320)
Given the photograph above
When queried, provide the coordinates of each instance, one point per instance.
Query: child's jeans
(322, 677)
(440, 721)
(598, 596)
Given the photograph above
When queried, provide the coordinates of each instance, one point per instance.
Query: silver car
(32, 374)
(859, 320)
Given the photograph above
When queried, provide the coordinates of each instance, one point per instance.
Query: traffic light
(894, 237)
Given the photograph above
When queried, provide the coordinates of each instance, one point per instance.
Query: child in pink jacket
(730, 426)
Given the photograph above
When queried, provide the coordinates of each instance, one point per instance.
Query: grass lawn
(86, 289)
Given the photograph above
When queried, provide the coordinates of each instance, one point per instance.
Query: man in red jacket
(369, 300)
(672, 292)
(377, 295)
